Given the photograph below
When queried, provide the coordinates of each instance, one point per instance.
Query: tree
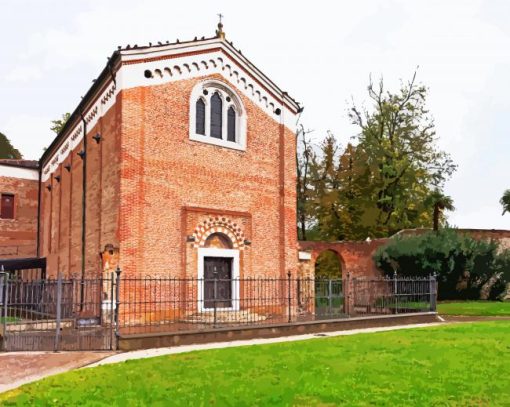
(305, 155)
(439, 203)
(335, 179)
(397, 142)
(58, 125)
(7, 150)
(505, 201)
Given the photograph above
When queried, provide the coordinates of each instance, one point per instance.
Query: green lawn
(485, 308)
(8, 319)
(461, 364)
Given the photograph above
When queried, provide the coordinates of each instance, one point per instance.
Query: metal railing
(177, 304)
(77, 314)
(52, 314)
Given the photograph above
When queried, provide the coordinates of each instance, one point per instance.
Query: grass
(472, 308)
(461, 364)
(9, 319)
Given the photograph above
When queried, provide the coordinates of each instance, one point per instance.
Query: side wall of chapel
(62, 202)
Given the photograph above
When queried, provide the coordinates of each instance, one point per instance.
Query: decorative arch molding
(160, 71)
(219, 224)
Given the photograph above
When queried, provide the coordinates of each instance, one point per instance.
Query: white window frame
(224, 90)
(212, 252)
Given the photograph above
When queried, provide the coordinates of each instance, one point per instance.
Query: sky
(321, 52)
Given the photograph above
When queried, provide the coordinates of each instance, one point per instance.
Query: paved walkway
(18, 368)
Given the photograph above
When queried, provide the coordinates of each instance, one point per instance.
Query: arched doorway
(329, 292)
(218, 274)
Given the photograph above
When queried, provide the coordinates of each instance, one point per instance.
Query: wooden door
(217, 282)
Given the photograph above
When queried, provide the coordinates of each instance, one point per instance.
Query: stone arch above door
(220, 225)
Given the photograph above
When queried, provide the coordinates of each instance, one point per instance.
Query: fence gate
(329, 298)
(57, 314)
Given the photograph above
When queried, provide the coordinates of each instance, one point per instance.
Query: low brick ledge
(128, 342)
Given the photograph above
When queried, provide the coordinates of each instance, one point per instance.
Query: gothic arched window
(200, 117)
(216, 115)
(231, 124)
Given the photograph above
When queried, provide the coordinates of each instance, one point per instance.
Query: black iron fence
(56, 314)
(86, 314)
(174, 304)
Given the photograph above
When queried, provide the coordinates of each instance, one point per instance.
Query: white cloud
(24, 73)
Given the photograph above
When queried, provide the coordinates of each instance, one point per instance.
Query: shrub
(463, 265)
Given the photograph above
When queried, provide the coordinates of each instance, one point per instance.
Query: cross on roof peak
(219, 32)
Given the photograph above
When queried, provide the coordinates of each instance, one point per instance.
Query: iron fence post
(433, 292)
(289, 295)
(395, 290)
(215, 293)
(4, 277)
(347, 294)
(59, 311)
(330, 293)
(112, 317)
(298, 294)
(117, 306)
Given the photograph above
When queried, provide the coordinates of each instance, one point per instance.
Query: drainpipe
(84, 208)
(38, 250)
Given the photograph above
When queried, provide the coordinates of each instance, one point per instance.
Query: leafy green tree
(439, 202)
(7, 150)
(397, 140)
(335, 181)
(58, 124)
(505, 201)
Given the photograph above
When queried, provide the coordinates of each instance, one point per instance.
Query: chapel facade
(178, 161)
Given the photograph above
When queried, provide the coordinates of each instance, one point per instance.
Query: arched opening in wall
(329, 293)
(328, 265)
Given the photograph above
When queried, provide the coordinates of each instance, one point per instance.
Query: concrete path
(18, 368)
(149, 353)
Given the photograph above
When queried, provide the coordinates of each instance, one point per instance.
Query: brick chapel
(179, 159)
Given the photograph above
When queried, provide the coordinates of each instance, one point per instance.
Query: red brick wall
(162, 172)
(355, 257)
(62, 209)
(18, 235)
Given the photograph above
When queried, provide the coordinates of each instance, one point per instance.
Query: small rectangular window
(7, 206)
